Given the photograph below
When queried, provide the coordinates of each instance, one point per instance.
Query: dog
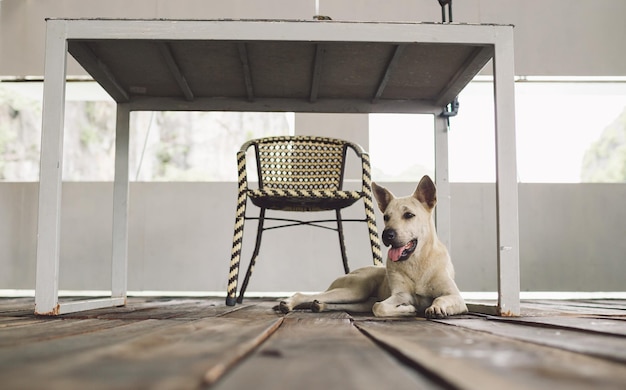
(418, 278)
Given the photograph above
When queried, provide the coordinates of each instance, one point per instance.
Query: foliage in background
(168, 146)
(605, 160)
(20, 137)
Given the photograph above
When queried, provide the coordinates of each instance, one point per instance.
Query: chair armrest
(366, 169)
(242, 174)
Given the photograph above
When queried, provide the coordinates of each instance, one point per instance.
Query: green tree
(605, 160)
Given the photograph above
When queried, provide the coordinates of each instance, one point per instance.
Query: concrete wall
(556, 37)
(571, 239)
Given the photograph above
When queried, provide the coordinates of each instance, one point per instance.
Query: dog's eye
(386, 218)
(408, 215)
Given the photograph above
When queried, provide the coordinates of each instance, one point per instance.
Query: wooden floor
(178, 343)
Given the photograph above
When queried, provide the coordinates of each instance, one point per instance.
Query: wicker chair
(298, 173)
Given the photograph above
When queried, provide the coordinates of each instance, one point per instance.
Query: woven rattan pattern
(301, 163)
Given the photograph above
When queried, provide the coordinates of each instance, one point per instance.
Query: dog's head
(408, 220)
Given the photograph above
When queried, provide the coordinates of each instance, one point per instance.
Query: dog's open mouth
(402, 252)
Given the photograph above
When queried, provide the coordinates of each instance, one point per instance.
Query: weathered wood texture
(467, 359)
(321, 352)
(182, 343)
(136, 351)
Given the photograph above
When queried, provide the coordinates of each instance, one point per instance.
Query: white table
(272, 65)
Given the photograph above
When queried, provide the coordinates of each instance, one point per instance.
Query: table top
(303, 66)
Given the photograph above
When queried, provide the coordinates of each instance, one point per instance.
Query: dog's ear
(426, 192)
(383, 196)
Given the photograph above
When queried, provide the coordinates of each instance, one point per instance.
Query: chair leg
(370, 218)
(255, 253)
(233, 273)
(235, 256)
(342, 243)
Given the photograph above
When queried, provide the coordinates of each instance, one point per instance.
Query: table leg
(442, 179)
(506, 177)
(51, 168)
(119, 261)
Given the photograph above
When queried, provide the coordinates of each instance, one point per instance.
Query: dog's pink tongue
(395, 253)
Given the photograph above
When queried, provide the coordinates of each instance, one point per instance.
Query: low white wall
(571, 239)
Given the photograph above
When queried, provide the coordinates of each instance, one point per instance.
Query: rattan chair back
(300, 163)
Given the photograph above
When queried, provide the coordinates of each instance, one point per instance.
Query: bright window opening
(567, 132)
(164, 146)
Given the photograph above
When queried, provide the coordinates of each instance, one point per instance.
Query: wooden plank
(18, 313)
(16, 307)
(531, 308)
(320, 351)
(16, 304)
(50, 329)
(542, 308)
(6, 322)
(453, 373)
(216, 308)
(526, 310)
(612, 303)
(591, 305)
(466, 359)
(179, 356)
(589, 324)
(51, 349)
(572, 307)
(611, 317)
(605, 347)
(158, 309)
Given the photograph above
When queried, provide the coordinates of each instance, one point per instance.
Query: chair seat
(303, 200)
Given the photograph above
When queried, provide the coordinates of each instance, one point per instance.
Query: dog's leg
(446, 305)
(338, 295)
(398, 305)
(297, 301)
(359, 307)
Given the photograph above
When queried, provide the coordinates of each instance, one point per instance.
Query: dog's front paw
(436, 311)
(317, 306)
(284, 307)
(446, 306)
(380, 309)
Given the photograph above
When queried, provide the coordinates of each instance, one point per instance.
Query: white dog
(418, 277)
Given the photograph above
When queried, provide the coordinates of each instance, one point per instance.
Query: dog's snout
(389, 235)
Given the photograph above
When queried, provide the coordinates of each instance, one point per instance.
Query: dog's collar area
(402, 253)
